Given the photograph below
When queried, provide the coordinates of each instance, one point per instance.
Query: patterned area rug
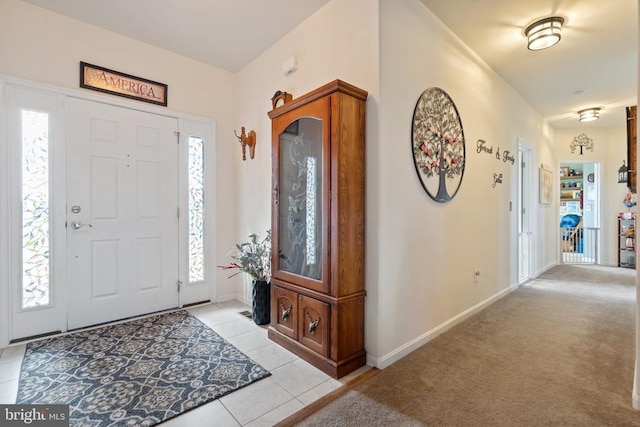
(137, 373)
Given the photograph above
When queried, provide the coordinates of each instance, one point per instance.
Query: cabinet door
(284, 311)
(313, 324)
(300, 215)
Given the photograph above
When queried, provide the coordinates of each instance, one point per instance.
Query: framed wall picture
(564, 171)
(546, 186)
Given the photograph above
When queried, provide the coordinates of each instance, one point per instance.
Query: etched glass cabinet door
(300, 190)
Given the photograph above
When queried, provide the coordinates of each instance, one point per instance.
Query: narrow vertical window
(36, 289)
(196, 209)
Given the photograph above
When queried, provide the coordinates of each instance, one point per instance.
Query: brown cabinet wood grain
(313, 324)
(284, 309)
(318, 223)
(632, 144)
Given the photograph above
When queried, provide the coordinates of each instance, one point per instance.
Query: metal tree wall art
(582, 141)
(438, 144)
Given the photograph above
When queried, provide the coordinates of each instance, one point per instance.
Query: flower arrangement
(252, 257)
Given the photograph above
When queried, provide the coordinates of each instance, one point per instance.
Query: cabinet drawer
(313, 324)
(284, 311)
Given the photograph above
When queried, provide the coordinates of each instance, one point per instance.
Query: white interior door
(525, 208)
(122, 212)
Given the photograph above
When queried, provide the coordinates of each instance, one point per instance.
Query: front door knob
(77, 225)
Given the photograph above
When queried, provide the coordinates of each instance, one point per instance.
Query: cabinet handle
(313, 324)
(285, 311)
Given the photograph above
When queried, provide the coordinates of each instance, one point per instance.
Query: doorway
(524, 209)
(122, 222)
(106, 215)
(579, 212)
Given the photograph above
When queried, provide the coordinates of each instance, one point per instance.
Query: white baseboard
(390, 358)
(228, 297)
(544, 269)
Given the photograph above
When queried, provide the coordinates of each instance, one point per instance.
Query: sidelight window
(36, 286)
(196, 209)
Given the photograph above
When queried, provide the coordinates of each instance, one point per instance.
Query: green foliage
(252, 257)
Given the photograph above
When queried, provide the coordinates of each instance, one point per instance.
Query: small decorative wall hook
(245, 140)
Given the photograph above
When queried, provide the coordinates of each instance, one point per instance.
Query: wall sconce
(623, 174)
(245, 140)
(544, 33)
(589, 114)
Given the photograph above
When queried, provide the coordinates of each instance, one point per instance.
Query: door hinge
(179, 284)
(178, 212)
(177, 136)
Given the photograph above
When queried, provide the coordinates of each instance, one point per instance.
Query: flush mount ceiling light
(544, 33)
(589, 114)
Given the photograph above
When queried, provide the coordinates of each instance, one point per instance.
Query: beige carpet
(553, 353)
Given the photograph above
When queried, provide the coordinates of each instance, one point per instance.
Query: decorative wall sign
(497, 179)
(116, 83)
(438, 144)
(481, 147)
(582, 141)
(505, 156)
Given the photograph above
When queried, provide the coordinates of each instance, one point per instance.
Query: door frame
(526, 195)
(598, 166)
(51, 103)
(187, 124)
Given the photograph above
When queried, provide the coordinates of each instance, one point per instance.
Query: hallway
(557, 351)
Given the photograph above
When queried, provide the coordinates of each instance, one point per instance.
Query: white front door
(122, 212)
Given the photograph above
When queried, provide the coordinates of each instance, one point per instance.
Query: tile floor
(293, 383)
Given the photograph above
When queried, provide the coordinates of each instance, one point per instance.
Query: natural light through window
(35, 209)
(311, 210)
(196, 209)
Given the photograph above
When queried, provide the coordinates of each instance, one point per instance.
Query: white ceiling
(227, 34)
(597, 55)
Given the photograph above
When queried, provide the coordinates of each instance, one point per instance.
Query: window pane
(196, 209)
(35, 209)
(300, 199)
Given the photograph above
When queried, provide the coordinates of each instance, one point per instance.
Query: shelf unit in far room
(570, 188)
(626, 240)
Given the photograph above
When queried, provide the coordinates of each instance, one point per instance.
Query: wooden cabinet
(318, 183)
(632, 144)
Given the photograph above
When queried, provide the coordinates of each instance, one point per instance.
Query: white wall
(430, 250)
(340, 41)
(42, 46)
(420, 255)
(610, 149)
